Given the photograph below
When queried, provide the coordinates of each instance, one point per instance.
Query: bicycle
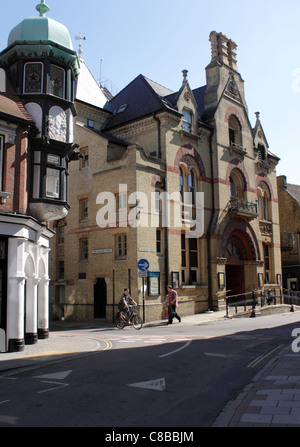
(134, 318)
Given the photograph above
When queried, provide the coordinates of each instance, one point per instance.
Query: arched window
(181, 183)
(235, 132)
(233, 189)
(264, 202)
(188, 182)
(192, 186)
(237, 185)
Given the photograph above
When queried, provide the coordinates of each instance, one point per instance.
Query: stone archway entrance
(239, 246)
(235, 272)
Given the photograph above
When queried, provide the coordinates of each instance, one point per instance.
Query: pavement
(271, 399)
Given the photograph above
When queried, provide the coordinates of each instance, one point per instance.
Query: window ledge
(183, 134)
(236, 148)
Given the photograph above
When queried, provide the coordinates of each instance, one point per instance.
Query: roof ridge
(160, 85)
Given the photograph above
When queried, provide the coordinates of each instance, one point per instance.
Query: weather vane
(80, 38)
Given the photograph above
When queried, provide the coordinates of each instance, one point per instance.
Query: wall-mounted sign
(153, 283)
(221, 280)
(175, 280)
(102, 251)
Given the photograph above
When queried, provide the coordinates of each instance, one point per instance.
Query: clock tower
(42, 67)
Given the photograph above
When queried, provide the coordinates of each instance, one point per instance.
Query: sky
(160, 38)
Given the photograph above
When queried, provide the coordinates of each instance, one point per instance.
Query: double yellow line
(259, 359)
(108, 345)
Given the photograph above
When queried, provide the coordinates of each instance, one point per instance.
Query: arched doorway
(239, 247)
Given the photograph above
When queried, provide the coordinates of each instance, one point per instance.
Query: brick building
(38, 73)
(289, 212)
(151, 140)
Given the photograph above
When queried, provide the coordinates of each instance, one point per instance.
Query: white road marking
(4, 402)
(155, 385)
(55, 376)
(177, 350)
(58, 385)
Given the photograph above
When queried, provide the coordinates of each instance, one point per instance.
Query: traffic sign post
(143, 266)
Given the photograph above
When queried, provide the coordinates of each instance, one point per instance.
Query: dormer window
(122, 108)
(187, 121)
(262, 153)
(33, 77)
(57, 81)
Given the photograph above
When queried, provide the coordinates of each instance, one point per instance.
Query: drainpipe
(167, 267)
(159, 136)
(208, 234)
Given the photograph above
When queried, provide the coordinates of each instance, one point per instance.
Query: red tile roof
(11, 105)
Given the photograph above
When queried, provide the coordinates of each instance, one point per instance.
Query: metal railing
(291, 297)
(242, 206)
(255, 298)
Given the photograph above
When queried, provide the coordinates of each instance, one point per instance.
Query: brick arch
(188, 149)
(234, 111)
(157, 179)
(240, 229)
(237, 164)
(262, 178)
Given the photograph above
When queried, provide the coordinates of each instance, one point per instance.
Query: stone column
(15, 295)
(43, 308)
(31, 336)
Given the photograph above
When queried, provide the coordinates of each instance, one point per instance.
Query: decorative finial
(257, 115)
(80, 38)
(42, 8)
(185, 73)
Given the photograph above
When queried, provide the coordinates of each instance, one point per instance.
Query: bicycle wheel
(137, 322)
(120, 322)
